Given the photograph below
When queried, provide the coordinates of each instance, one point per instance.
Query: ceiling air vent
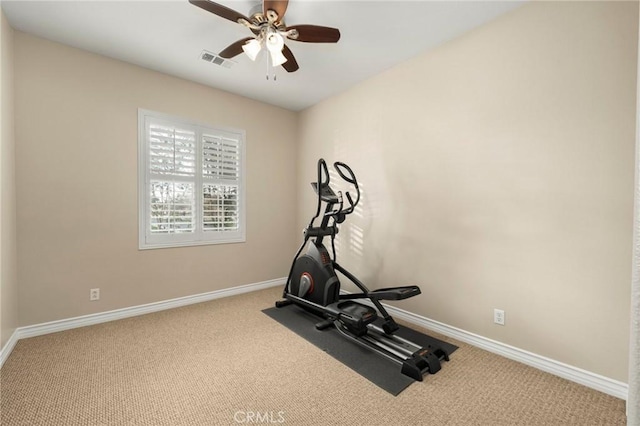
(215, 59)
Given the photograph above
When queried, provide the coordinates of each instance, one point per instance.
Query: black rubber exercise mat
(376, 368)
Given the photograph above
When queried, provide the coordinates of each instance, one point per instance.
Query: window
(191, 183)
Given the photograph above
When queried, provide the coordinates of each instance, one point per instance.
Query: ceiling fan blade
(218, 9)
(315, 34)
(291, 65)
(279, 6)
(234, 49)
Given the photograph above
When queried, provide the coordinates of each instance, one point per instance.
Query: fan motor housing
(257, 17)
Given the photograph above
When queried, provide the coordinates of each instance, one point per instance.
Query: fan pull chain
(269, 67)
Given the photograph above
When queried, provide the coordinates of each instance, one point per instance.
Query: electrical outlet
(498, 316)
(94, 294)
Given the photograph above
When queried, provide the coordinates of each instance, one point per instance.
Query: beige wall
(498, 173)
(8, 251)
(76, 137)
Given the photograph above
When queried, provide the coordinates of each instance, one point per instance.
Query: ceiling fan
(266, 21)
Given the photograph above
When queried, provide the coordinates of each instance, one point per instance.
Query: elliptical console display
(314, 285)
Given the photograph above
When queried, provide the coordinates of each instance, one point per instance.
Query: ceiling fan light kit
(252, 48)
(270, 31)
(275, 44)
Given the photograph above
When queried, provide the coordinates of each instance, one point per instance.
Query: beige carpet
(224, 362)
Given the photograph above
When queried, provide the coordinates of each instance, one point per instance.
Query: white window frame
(149, 240)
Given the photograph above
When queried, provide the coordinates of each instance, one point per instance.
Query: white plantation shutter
(221, 178)
(172, 150)
(191, 182)
(172, 167)
(172, 207)
(221, 157)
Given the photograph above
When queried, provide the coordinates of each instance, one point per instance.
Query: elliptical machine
(314, 285)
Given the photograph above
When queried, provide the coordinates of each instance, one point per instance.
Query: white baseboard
(85, 320)
(574, 374)
(5, 351)
(592, 380)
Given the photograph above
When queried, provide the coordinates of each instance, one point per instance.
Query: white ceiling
(169, 36)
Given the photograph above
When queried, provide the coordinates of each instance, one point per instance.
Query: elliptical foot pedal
(395, 293)
(355, 316)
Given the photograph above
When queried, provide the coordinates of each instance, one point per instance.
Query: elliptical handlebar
(339, 165)
(322, 169)
(350, 177)
(325, 192)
